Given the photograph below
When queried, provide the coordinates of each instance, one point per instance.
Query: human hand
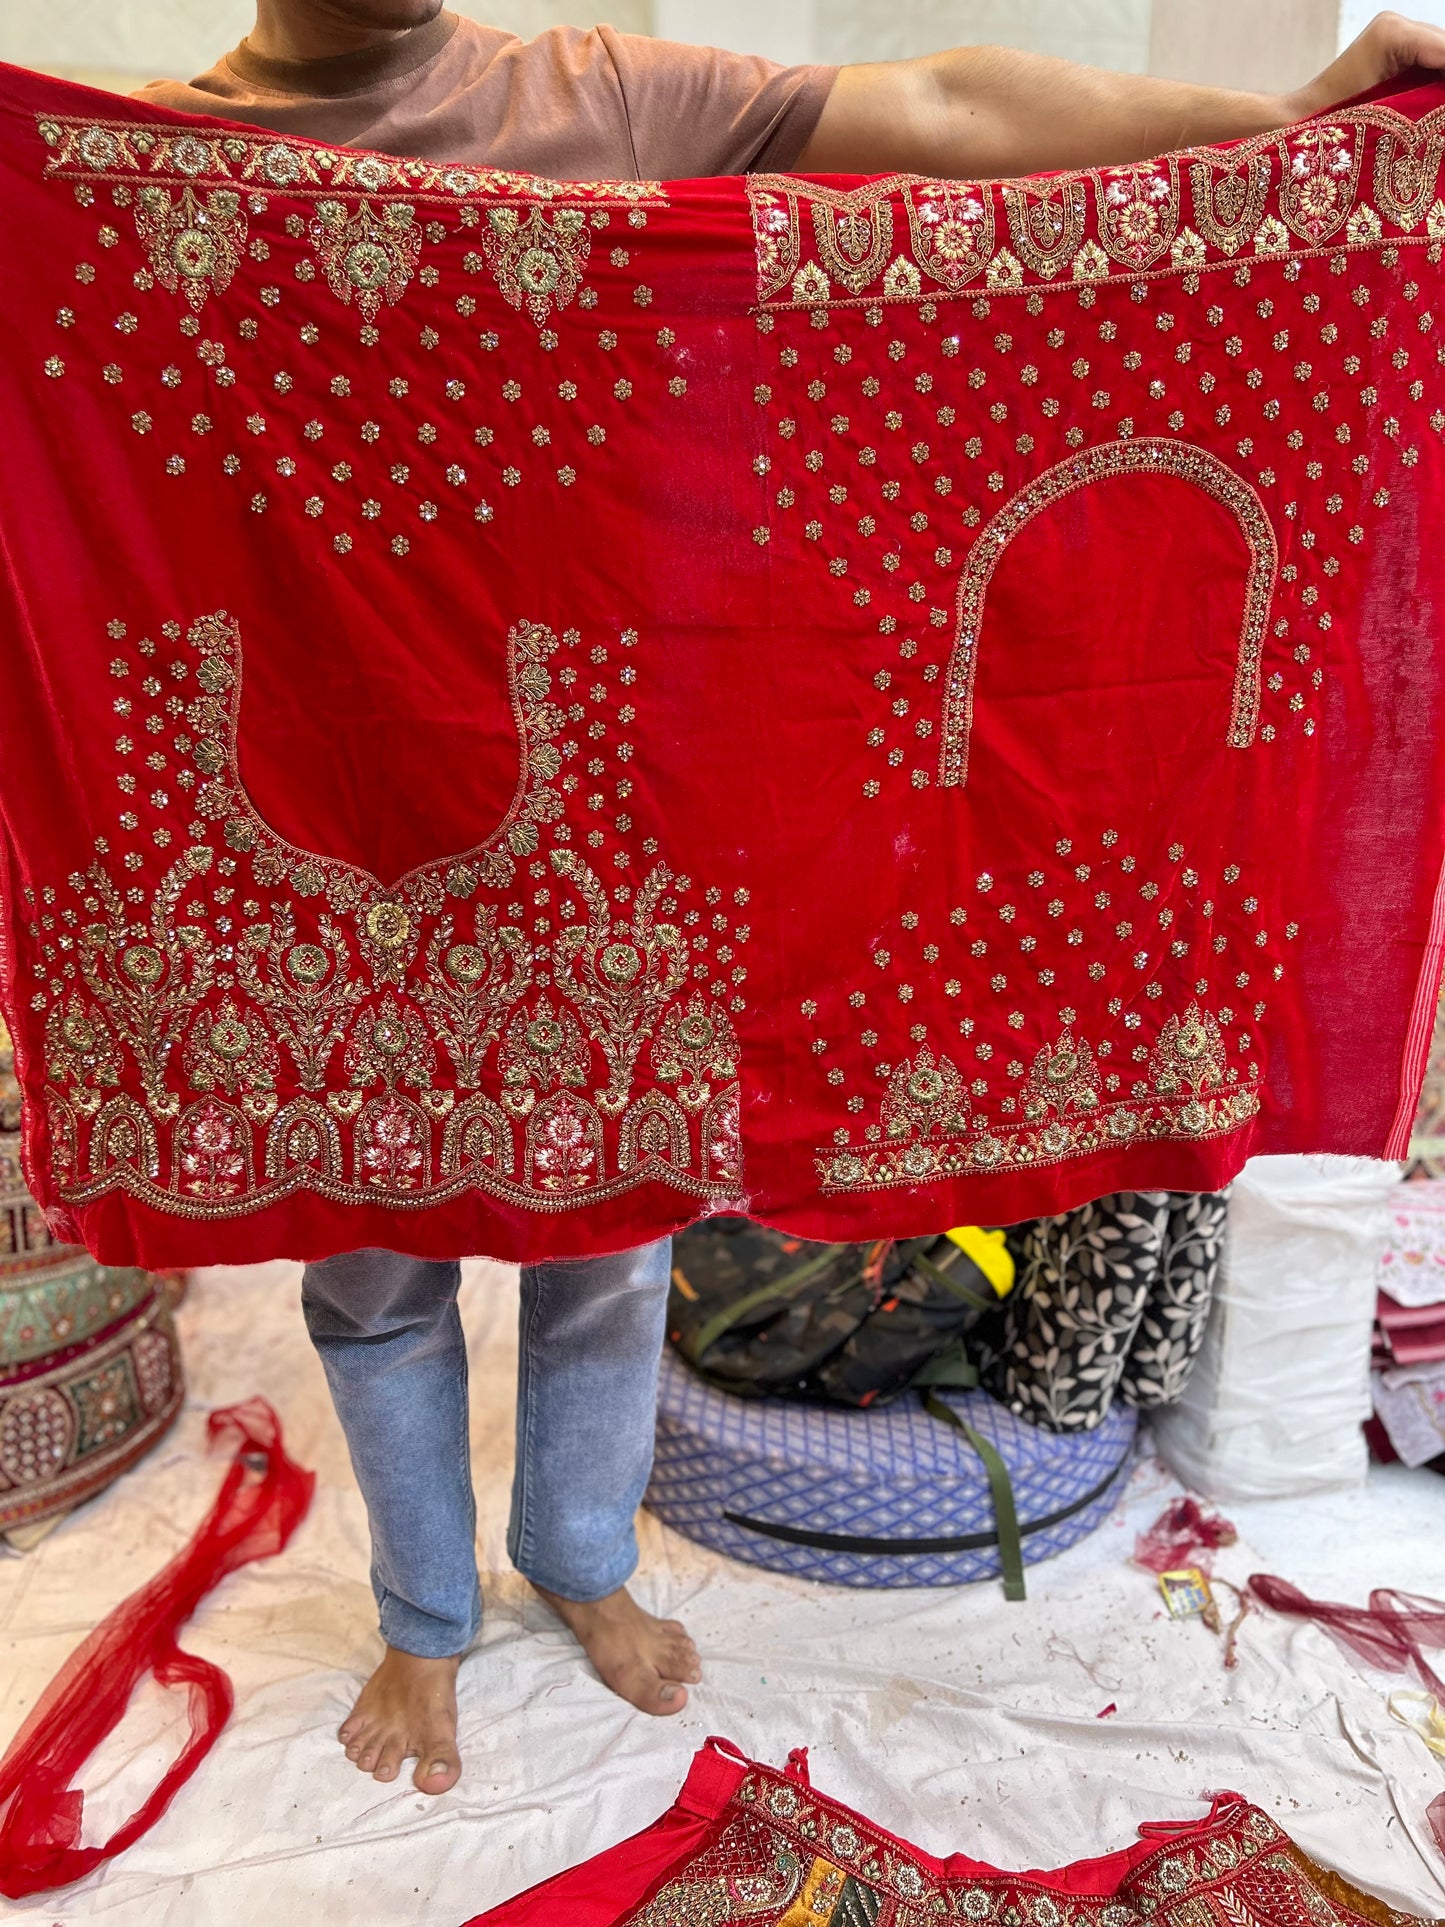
(1390, 45)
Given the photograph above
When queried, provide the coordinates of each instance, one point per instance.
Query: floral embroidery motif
(537, 261)
(1144, 454)
(368, 256)
(356, 1037)
(1138, 212)
(1143, 219)
(1046, 223)
(1322, 172)
(1008, 1092)
(1405, 175)
(117, 150)
(924, 1096)
(855, 234)
(1229, 197)
(194, 245)
(763, 1863)
(1065, 1117)
(952, 234)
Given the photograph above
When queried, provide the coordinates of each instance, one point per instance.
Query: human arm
(984, 112)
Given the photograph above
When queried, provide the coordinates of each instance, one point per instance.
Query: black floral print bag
(1111, 1301)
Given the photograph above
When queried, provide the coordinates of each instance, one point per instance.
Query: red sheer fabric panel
(1389, 1633)
(606, 1888)
(263, 1498)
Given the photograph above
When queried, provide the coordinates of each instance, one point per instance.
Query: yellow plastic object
(989, 1252)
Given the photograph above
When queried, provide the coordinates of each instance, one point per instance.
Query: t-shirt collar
(340, 74)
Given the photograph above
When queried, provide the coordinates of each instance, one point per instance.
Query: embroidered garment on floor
(537, 709)
(1111, 1301)
(747, 1844)
(262, 1500)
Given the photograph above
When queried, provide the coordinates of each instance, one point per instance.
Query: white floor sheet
(956, 1719)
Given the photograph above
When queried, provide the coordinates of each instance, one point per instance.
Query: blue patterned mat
(764, 1480)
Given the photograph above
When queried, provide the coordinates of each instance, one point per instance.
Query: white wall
(122, 42)
(1356, 14)
(1230, 42)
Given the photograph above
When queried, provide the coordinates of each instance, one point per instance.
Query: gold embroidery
(194, 246)
(952, 231)
(854, 233)
(1320, 170)
(147, 989)
(792, 1855)
(1229, 197)
(924, 1096)
(1126, 1067)
(305, 989)
(368, 256)
(119, 150)
(1136, 214)
(470, 986)
(576, 1061)
(620, 975)
(1046, 223)
(1064, 1078)
(1138, 211)
(1405, 175)
(386, 932)
(1143, 454)
(537, 261)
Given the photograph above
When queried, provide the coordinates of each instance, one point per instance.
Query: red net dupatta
(263, 1498)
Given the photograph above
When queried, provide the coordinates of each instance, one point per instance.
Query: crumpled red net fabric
(537, 710)
(1393, 1632)
(1185, 1534)
(263, 1498)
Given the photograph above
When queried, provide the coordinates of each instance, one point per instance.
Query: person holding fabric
(405, 77)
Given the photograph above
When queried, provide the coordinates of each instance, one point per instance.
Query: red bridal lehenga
(747, 1846)
(916, 702)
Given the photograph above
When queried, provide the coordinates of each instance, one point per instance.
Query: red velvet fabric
(537, 710)
(745, 1843)
(263, 1498)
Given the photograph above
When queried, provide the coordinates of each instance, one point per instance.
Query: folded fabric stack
(1409, 1353)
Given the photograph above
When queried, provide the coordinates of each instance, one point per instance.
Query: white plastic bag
(1282, 1383)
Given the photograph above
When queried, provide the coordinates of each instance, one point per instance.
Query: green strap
(952, 1367)
(723, 1321)
(955, 1285)
(1010, 1546)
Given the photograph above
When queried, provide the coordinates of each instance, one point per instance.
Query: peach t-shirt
(569, 105)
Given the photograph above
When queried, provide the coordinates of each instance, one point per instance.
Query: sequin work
(541, 709)
(764, 1849)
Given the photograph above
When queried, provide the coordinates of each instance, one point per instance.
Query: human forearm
(981, 112)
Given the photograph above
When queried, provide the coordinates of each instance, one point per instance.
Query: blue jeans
(391, 1341)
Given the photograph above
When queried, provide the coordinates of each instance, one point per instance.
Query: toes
(392, 1755)
(367, 1758)
(679, 1659)
(438, 1768)
(667, 1696)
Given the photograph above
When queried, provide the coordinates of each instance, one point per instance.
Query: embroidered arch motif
(1145, 455)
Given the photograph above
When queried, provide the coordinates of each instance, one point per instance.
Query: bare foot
(643, 1659)
(407, 1710)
